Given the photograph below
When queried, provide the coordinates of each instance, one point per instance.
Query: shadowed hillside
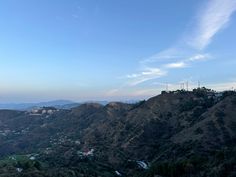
(179, 133)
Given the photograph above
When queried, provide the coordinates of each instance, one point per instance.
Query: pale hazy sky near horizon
(113, 49)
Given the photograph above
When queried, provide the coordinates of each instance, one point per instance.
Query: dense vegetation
(175, 134)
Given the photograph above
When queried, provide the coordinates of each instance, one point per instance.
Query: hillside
(174, 134)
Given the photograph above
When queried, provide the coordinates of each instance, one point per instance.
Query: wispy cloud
(199, 57)
(168, 54)
(147, 74)
(179, 64)
(211, 18)
(154, 73)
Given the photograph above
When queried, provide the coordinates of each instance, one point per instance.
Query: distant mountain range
(175, 134)
(60, 104)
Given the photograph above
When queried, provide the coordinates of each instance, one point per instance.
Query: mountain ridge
(167, 135)
(60, 104)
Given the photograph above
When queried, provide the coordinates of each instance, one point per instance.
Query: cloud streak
(154, 73)
(147, 74)
(211, 18)
(179, 64)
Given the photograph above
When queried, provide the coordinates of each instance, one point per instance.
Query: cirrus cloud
(212, 18)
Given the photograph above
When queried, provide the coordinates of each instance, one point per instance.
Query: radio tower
(198, 84)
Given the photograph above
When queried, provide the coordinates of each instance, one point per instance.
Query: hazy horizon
(113, 50)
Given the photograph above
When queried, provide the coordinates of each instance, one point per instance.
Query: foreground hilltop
(179, 133)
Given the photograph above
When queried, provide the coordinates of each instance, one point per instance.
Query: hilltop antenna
(181, 86)
(187, 85)
(167, 87)
(199, 84)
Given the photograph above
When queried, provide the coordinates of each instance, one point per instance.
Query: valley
(175, 134)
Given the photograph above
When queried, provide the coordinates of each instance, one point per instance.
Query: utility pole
(187, 85)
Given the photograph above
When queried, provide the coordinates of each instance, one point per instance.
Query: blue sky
(113, 50)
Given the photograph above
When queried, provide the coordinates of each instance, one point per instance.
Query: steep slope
(174, 130)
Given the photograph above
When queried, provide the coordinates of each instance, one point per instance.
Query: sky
(114, 49)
